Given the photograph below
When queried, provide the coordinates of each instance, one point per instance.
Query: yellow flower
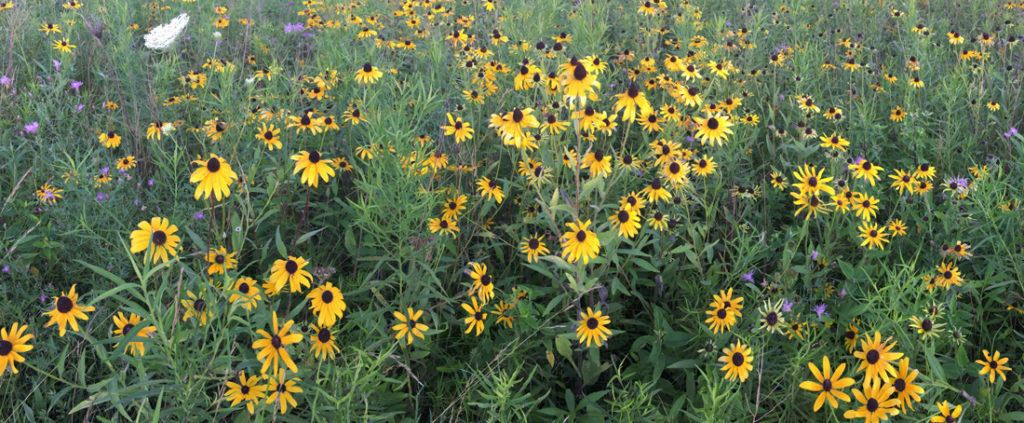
(213, 175)
(593, 327)
(476, 317)
(158, 235)
(313, 168)
(829, 384)
(737, 361)
(66, 310)
(409, 325)
(579, 242)
(270, 348)
(993, 364)
(12, 344)
(327, 303)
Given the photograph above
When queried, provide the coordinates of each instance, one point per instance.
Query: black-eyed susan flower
(322, 340)
(453, 206)
(476, 317)
(313, 167)
(409, 325)
(772, 319)
(66, 310)
(627, 222)
(457, 127)
(327, 303)
(926, 327)
(110, 139)
(713, 129)
(269, 136)
(282, 391)
(704, 166)
(247, 295)
(632, 103)
(156, 236)
(443, 225)
(196, 307)
(490, 188)
(13, 343)
(271, 346)
(948, 275)
(655, 192)
(63, 45)
(579, 242)
(290, 271)
(876, 358)
(947, 414)
(721, 318)
(809, 204)
(875, 401)
(483, 284)
(834, 141)
(213, 175)
(866, 170)
(368, 74)
(306, 122)
(829, 383)
(593, 328)
(220, 261)
(533, 247)
(126, 163)
(992, 364)
(650, 121)
(246, 389)
(738, 361)
(903, 384)
(810, 180)
(125, 325)
(597, 163)
(897, 114)
(48, 194)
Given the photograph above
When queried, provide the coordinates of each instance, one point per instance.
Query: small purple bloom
(307, 34)
(1011, 132)
(814, 254)
(56, 64)
(76, 85)
(42, 299)
(842, 293)
(197, 215)
(787, 305)
(100, 196)
(7, 269)
(749, 276)
(290, 28)
(80, 107)
(150, 182)
(820, 310)
(32, 127)
(727, 23)
(105, 170)
(5, 81)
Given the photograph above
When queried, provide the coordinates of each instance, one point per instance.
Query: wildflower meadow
(511, 210)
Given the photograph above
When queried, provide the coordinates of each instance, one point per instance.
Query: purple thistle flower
(100, 196)
(820, 310)
(749, 276)
(290, 28)
(1008, 134)
(32, 127)
(76, 85)
(56, 64)
(5, 81)
(198, 215)
(814, 254)
(787, 305)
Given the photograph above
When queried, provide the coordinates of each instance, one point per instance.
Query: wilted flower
(161, 37)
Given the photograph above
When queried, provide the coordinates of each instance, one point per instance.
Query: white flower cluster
(161, 37)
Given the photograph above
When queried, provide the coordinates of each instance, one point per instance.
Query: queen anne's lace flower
(161, 37)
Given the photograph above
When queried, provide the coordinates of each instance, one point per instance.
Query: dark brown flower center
(873, 233)
(5, 348)
(314, 157)
(291, 266)
(592, 323)
(826, 385)
(812, 181)
(722, 313)
(327, 296)
(64, 304)
(268, 135)
(159, 238)
(275, 341)
(323, 335)
(738, 359)
(581, 236)
(127, 328)
(623, 216)
(712, 123)
(478, 316)
(900, 385)
(533, 243)
(199, 305)
(772, 319)
(872, 405)
(245, 390)
(872, 356)
(367, 68)
(580, 73)
(517, 115)
(993, 364)
(243, 288)
(485, 280)
(947, 274)
(219, 259)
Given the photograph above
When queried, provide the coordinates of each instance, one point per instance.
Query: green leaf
(306, 236)
(564, 347)
(280, 245)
